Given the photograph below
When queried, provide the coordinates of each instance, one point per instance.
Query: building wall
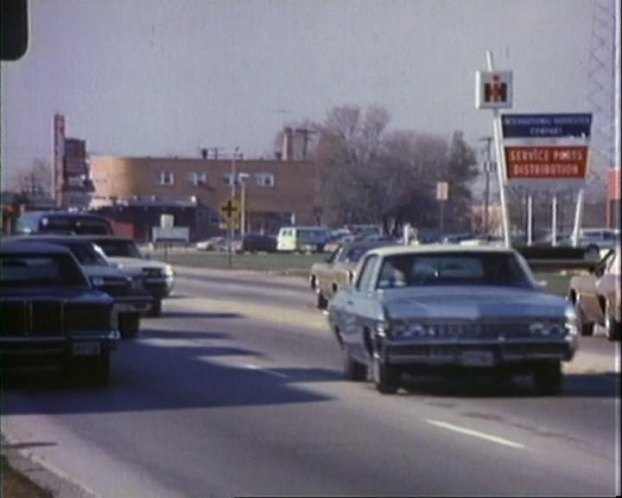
(294, 190)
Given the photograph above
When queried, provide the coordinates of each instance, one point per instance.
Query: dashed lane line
(481, 435)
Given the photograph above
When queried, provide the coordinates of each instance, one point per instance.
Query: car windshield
(40, 270)
(119, 248)
(415, 270)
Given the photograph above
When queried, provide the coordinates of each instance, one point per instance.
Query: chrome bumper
(461, 352)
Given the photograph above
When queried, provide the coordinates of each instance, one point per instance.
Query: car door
(586, 287)
(356, 313)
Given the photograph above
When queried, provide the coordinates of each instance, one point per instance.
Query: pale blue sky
(166, 77)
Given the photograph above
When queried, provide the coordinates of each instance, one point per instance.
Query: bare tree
(35, 182)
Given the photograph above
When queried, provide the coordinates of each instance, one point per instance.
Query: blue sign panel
(546, 125)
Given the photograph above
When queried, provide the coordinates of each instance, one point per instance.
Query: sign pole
(578, 216)
(554, 220)
(496, 123)
(529, 219)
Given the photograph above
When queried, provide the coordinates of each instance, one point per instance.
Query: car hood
(55, 293)
(471, 303)
(135, 265)
(103, 271)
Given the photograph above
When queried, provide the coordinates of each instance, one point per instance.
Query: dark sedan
(51, 315)
(130, 298)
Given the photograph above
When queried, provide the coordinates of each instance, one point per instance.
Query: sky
(168, 77)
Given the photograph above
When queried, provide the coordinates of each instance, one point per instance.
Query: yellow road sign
(230, 210)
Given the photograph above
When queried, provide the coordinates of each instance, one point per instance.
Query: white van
(302, 239)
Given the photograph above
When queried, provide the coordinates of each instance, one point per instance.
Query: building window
(197, 178)
(228, 179)
(167, 178)
(265, 179)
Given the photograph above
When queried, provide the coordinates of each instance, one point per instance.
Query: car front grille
(49, 318)
(464, 330)
(83, 316)
(46, 318)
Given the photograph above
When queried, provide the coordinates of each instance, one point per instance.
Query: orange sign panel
(546, 163)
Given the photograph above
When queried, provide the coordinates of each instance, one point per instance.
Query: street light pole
(243, 177)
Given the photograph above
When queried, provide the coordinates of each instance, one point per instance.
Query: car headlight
(97, 281)
(168, 271)
(570, 316)
(555, 328)
(538, 328)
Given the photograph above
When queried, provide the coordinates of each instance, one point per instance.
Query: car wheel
(156, 308)
(548, 378)
(322, 302)
(586, 329)
(613, 327)
(352, 369)
(129, 325)
(386, 377)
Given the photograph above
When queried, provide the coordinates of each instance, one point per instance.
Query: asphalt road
(236, 391)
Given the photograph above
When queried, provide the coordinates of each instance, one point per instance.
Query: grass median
(294, 264)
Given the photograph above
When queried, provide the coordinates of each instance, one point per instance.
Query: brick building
(139, 190)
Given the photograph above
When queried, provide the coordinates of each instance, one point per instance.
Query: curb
(41, 473)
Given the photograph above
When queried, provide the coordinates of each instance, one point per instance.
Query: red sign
(546, 163)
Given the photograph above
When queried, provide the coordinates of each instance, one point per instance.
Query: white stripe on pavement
(481, 435)
(266, 370)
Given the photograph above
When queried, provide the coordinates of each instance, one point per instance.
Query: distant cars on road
(51, 315)
(596, 296)
(450, 309)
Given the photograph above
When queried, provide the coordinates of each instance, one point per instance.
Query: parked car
(62, 222)
(596, 239)
(337, 271)
(212, 244)
(158, 277)
(437, 309)
(596, 296)
(130, 298)
(51, 315)
(255, 242)
(302, 239)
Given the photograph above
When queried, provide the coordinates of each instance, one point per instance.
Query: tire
(613, 327)
(129, 325)
(322, 302)
(386, 377)
(548, 378)
(586, 329)
(352, 369)
(156, 308)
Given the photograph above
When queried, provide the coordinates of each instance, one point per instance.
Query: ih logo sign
(493, 89)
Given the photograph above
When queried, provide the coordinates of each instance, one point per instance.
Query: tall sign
(493, 89)
(548, 151)
(59, 155)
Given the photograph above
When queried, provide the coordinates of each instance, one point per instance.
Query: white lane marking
(266, 370)
(473, 433)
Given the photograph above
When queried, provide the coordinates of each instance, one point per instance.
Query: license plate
(86, 349)
(477, 358)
